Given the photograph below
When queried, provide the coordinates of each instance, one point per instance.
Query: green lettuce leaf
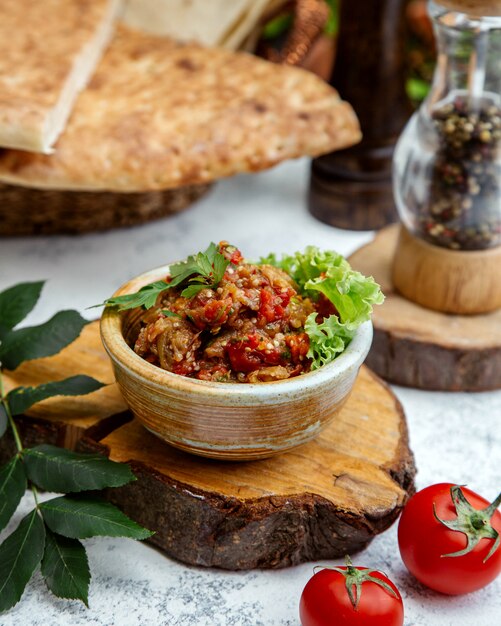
(328, 272)
(352, 294)
(328, 339)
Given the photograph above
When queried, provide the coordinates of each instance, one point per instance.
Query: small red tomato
(350, 596)
(449, 538)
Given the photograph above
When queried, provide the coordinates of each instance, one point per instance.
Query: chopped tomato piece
(217, 310)
(273, 304)
(183, 368)
(298, 345)
(251, 353)
(232, 253)
(211, 371)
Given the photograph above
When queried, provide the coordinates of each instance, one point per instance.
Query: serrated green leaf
(192, 290)
(203, 263)
(3, 420)
(20, 555)
(146, 297)
(15, 304)
(179, 272)
(220, 265)
(199, 279)
(83, 517)
(13, 484)
(57, 469)
(65, 567)
(21, 398)
(211, 252)
(332, 25)
(36, 342)
(206, 268)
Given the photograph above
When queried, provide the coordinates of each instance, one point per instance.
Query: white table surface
(455, 437)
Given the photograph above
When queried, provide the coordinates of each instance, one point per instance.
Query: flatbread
(48, 51)
(160, 114)
(207, 22)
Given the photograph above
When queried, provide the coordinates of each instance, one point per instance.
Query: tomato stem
(354, 579)
(475, 524)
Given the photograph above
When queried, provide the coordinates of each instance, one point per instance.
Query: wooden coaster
(418, 347)
(321, 500)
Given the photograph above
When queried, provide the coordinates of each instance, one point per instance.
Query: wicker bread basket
(25, 211)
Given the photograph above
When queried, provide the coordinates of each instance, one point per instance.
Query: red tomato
(242, 360)
(325, 600)
(270, 307)
(216, 311)
(298, 345)
(427, 543)
(252, 353)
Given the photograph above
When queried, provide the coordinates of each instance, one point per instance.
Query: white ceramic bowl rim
(353, 356)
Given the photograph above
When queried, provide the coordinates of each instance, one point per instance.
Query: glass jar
(447, 163)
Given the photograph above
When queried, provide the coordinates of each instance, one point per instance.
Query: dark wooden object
(352, 188)
(418, 347)
(321, 500)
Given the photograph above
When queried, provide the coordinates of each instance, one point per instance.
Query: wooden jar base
(450, 281)
(419, 347)
(322, 500)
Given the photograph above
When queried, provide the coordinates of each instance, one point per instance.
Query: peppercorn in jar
(448, 161)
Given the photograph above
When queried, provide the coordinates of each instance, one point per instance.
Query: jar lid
(476, 8)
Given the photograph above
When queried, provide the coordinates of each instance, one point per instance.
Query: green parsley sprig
(200, 271)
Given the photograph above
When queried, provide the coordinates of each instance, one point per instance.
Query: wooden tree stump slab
(325, 499)
(418, 347)
(63, 420)
(322, 500)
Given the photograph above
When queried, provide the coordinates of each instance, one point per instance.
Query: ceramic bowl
(224, 420)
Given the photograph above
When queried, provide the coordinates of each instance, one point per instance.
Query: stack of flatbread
(157, 122)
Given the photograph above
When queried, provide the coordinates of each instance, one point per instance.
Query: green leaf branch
(203, 270)
(48, 537)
